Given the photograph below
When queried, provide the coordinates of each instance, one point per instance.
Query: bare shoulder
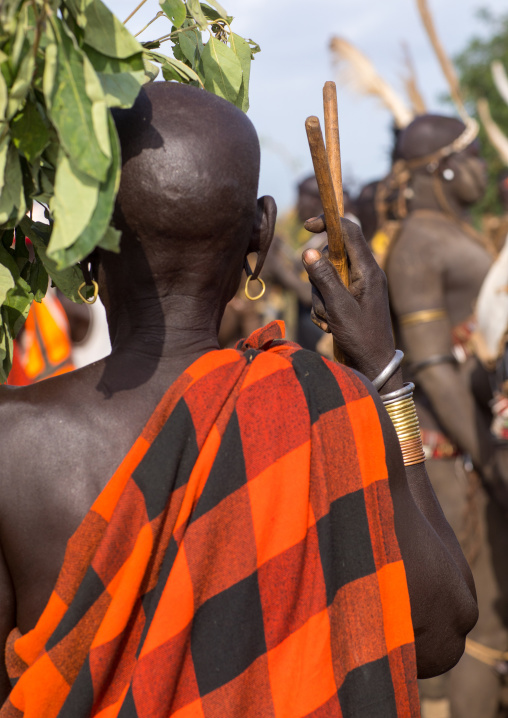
(62, 441)
(418, 246)
(416, 267)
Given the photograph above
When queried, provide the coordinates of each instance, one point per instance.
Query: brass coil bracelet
(402, 411)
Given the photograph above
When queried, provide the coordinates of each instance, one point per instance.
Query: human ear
(262, 232)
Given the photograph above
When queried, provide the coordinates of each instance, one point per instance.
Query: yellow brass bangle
(402, 413)
(407, 409)
(407, 435)
(419, 460)
(404, 405)
(422, 317)
(407, 426)
(248, 294)
(407, 419)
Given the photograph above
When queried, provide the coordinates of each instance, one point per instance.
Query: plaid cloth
(241, 562)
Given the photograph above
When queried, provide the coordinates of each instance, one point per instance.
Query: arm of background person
(418, 286)
(441, 588)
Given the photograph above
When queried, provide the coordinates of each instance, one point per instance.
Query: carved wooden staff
(327, 168)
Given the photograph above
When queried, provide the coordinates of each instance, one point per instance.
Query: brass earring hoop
(95, 292)
(248, 294)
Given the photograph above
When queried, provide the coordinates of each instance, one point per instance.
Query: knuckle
(375, 275)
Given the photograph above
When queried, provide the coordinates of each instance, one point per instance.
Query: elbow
(440, 646)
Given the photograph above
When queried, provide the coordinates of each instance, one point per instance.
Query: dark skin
(436, 264)
(185, 236)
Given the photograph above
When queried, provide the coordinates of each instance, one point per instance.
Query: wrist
(395, 382)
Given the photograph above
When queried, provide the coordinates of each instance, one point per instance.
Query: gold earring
(95, 292)
(246, 290)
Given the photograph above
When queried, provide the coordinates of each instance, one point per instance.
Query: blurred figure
(366, 210)
(435, 267)
(290, 292)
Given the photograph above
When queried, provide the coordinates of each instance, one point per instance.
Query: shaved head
(427, 134)
(187, 204)
(190, 165)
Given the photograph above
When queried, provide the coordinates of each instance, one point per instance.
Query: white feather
(359, 73)
(496, 135)
(500, 79)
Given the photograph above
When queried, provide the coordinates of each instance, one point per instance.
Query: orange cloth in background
(44, 348)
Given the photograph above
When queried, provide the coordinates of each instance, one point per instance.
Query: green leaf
(3, 96)
(12, 198)
(254, 47)
(70, 108)
(197, 13)
(151, 70)
(111, 240)
(175, 69)
(175, 10)
(6, 347)
(29, 133)
(50, 70)
(99, 107)
(183, 70)
(77, 8)
(151, 45)
(191, 45)
(17, 305)
(38, 279)
(98, 224)
(121, 80)
(67, 280)
(106, 34)
(21, 85)
(242, 50)
(222, 13)
(4, 149)
(6, 279)
(73, 204)
(222, 70)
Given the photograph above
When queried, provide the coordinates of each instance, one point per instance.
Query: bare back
(69, 435)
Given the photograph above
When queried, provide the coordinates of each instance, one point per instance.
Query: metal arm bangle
(389, 370)
(402, 393)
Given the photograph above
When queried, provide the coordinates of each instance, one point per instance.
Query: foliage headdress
(63, 65)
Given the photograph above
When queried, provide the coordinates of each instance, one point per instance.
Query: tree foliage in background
(63, 65)
(473, 68)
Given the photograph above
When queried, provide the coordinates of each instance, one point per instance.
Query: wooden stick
(337, 251)
(333, 141)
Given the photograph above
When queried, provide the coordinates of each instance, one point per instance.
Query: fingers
(325, 279)
(315, 224)
(319, 322)
(359, 252)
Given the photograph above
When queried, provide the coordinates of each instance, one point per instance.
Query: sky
(288, 75)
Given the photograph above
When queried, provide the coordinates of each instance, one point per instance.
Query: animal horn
(500, 79)
(445, 62)
(410, 80)
(496, 136)
(361, 75)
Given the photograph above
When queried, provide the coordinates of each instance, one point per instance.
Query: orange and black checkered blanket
(241, 562)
